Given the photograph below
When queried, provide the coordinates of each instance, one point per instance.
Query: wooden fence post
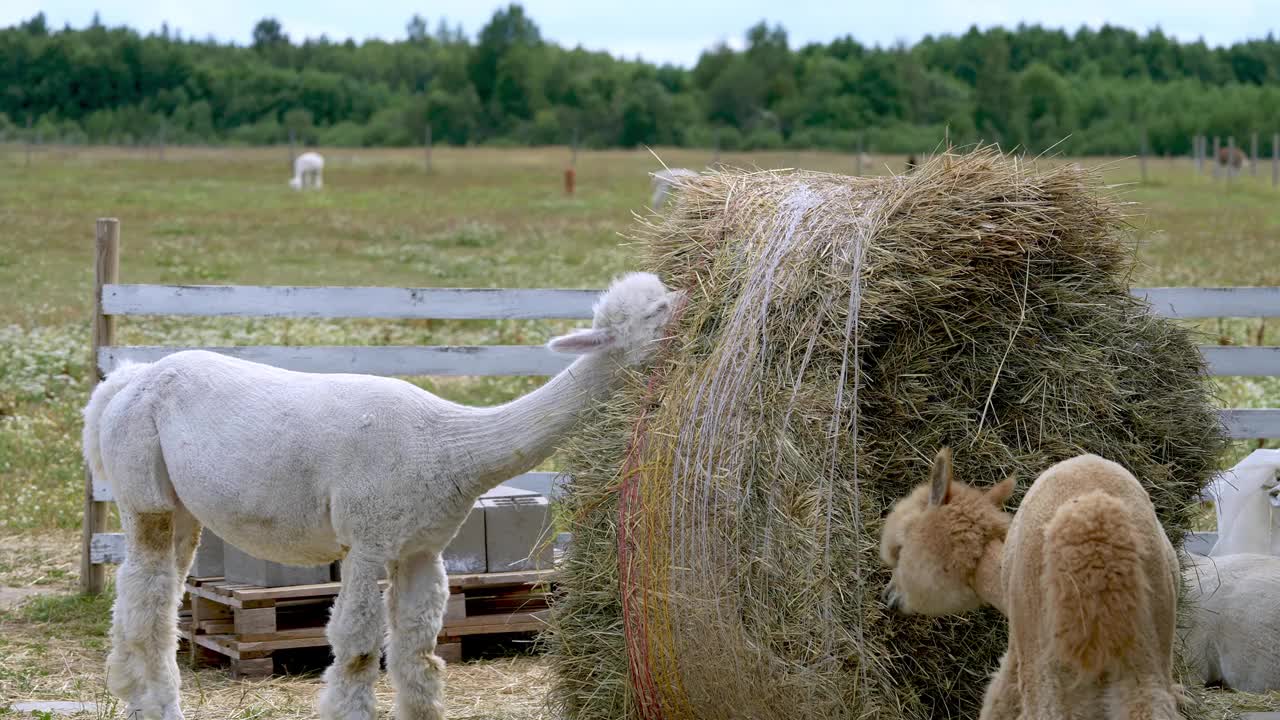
(428, 146)
(106, 270)
(1275, 159)
(1217, 148)
(1142, 156)
(1253, 154)
(292, 153)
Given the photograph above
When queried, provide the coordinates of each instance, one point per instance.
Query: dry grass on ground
(53, 646)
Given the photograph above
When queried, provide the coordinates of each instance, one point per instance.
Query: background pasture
(482, 218)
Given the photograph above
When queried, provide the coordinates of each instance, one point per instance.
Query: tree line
(1087, 92)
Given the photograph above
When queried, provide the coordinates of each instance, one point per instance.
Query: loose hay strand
(838, 330)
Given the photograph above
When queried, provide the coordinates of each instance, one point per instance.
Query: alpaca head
(629, 318)
(934, 539)
(296, 182)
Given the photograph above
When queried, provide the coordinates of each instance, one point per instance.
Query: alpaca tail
(1098, 590)
(119, 378)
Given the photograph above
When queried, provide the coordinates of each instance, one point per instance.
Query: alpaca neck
(499, 443)
(987, 580)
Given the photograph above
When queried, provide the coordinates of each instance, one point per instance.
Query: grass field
(484, 218)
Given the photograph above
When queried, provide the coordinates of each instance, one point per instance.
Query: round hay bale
(726, 506)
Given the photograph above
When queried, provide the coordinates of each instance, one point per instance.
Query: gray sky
(669, 30)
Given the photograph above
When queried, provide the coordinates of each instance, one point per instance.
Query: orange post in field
(569, 181)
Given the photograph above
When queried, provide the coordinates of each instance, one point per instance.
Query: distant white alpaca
(663, 180)
(308, 171)
(308, 468)
(1235, 622)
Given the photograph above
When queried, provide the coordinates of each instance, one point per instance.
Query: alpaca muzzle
(892, 598)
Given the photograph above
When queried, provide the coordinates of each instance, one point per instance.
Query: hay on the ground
(726, 506)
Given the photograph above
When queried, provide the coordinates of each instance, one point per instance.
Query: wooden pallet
(246, 624)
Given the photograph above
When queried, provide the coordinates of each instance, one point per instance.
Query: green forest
(1082, 92)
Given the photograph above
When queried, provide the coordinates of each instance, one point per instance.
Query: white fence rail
(528, 304)
(113, 299)
(1198, 302)
(474, 360)
(346, 302)
(482, 360)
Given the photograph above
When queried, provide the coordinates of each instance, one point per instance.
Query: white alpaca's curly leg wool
(355, 634)
(416, 604)
(142, 668)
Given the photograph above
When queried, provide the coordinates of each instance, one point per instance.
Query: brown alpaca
(1083, 571)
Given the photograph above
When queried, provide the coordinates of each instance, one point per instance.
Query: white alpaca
(1236, 589)
(308, 468)
(308, 171)
(1235, 621)
(1245, 498)
(664, 180)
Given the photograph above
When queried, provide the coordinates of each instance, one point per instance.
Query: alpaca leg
(416, 604)
(186, 538)
(355, 634)
(319, 179)
(1003, 700)
(142, 668)
(1145, 700)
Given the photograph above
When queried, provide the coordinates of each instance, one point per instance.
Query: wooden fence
(113, 299)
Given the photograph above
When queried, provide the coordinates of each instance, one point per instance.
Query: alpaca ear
(1000, 493)
(583, 342)
(940, 478)
(657, 307)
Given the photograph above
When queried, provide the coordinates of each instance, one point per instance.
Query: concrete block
(505, 490)
(517, 533)
(241, 567)
(466, 552)
(209, 556)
